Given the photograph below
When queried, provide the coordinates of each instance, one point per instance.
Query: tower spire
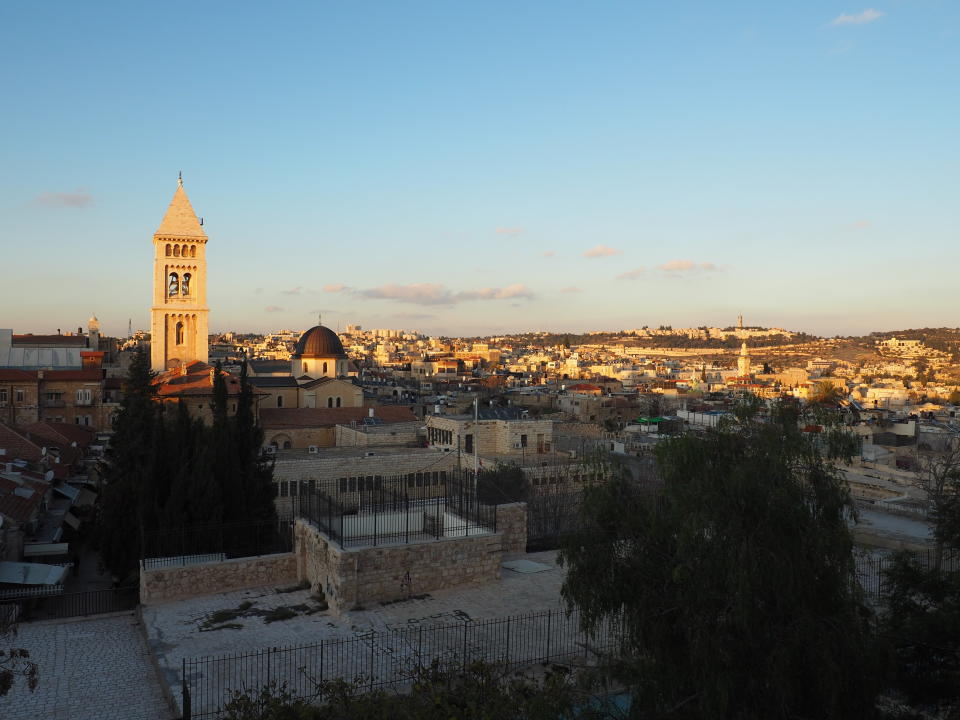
(180, 179)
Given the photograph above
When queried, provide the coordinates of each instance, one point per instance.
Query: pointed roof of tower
(180, 220)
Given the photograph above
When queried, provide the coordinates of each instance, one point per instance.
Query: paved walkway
(90, 669)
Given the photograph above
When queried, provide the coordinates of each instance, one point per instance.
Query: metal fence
(68, 605)
(178, 546)
(400, 509)
(391, 659)
(871, 570)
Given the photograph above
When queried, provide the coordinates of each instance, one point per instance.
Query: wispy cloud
(80, 198)
(509, 230)
(411, 316)
(571, 289)
(293, 291)
(860, 18)
(273, 309)
(549, 253)
(678, 268)
(860, 225)
(335, 288)
(437, 294)
(601, 251)
(632, 274)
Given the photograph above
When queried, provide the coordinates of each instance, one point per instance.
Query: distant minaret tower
(743, 362)
(740, 321)
(178, 318)
(129, 328)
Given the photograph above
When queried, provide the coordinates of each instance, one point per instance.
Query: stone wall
(180, 582)
(360, 577)
(512, 527)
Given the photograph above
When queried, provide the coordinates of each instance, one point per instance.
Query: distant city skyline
(479, 170)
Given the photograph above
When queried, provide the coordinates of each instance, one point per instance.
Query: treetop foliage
(734, 578)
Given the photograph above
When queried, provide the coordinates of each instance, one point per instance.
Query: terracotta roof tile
(18, 446)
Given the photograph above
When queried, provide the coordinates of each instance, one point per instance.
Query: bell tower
(178, 318)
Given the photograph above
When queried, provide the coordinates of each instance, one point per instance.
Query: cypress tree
(256, 467)
(125, 470)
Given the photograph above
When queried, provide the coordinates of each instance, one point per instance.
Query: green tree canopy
(734, 578)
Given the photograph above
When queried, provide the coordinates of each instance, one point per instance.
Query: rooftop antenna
(319, 319)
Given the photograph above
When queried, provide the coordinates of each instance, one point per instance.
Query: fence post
(373, 646)
(420, 647)
(465, 644)
(508, 642)
(185, 693)
(549, 624)
(269, 653)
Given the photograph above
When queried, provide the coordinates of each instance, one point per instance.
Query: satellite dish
(48, 476)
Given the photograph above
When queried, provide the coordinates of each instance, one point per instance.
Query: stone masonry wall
(360, 577)
(178, 583)
(512, 526)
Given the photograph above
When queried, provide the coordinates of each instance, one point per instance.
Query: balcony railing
(52, 403)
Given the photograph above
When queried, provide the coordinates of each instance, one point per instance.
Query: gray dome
(319, 341)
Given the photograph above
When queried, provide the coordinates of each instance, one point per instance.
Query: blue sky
(468, 168)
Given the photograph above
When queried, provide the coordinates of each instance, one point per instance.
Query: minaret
(93, 332)
(743, 362)
(178, 318)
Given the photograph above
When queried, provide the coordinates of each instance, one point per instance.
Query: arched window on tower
(168, 250)
(193, 251)
(179, 333)
(338, 401)
(183, 251)
(306, 367)
(329, 402)
(185, 288)
(324, 368)
(176, 251)
(173, 288)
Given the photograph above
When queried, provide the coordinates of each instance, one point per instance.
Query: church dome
(319, 341)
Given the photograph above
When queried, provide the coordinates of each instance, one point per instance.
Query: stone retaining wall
(361, 577)
(180, 582)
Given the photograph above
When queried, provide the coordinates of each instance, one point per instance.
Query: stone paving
(90, 669)
(176, 630)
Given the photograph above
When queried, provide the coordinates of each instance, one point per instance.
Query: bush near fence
(390, 659)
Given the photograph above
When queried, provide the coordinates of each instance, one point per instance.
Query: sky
(481, 168)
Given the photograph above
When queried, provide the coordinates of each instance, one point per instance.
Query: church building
(178, 318)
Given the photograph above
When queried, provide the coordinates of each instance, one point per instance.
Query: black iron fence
(399, 509)
(550, 516)
(206, 543)
(872, 569)
(392, 658)
(68, 605)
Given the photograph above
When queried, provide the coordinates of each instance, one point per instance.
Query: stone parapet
(181, 582)
(359, 577)
(512, 527)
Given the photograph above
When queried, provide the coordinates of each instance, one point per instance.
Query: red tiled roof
(197, 381)
(17, 508)
(321, 417)
(62, 340)
(73, 375)
(61, 433)
(18, 446)
(18, 375)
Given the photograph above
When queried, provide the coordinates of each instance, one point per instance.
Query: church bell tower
(178, 318)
